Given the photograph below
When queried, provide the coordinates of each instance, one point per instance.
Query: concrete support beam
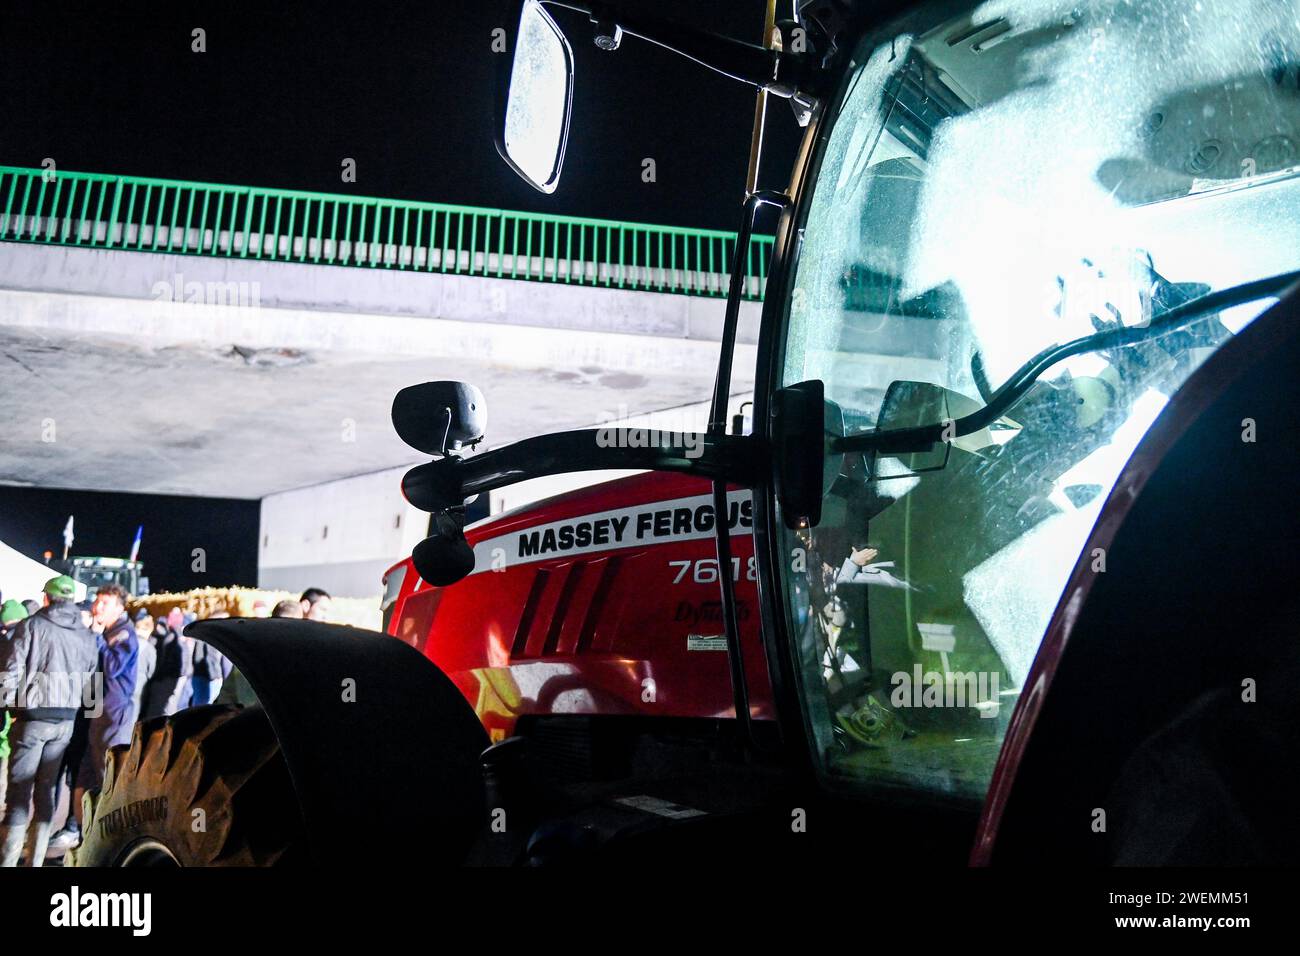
(135, 371)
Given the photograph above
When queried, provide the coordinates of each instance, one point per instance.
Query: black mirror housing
(438, 418)
(444, 557)
(805, 427)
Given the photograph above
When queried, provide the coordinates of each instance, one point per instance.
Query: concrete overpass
(187, 338)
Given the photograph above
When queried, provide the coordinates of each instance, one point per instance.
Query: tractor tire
(205, 787)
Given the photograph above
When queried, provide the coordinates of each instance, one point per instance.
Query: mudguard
(377, 739)
(1198, 593)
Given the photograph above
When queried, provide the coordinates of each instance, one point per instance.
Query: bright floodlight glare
(539, 90)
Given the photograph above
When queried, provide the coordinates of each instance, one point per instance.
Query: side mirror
(438, 418)
(805, 425)
(534, 102)
(444, 557)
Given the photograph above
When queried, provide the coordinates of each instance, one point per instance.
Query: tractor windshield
(984, 188)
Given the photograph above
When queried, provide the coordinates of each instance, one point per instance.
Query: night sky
(32, 521)
(285, 92)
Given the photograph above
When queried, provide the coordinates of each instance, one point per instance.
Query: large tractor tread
(208, 784)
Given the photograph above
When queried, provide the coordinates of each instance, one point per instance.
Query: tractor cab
(1013, 238)
(96, 572)
(1004, 570)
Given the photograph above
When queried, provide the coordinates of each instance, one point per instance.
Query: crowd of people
(75, 677)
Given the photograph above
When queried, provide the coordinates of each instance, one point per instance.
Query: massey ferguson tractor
(1004, 573)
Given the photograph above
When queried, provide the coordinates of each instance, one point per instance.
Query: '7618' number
(705, 570)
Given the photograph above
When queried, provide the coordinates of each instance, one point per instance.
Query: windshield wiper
(921, 437)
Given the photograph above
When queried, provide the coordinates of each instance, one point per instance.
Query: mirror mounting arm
(781, 74)
(448, 482)
(1009, 394)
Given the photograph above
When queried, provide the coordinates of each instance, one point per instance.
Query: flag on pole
(67, 537)
(135, 547)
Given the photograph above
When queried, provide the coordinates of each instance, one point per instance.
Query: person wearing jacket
(145, 667)
(859, 568)
(46, 677)
(170, 687)
(211, 668)
(11, 613)
(118, 657)
(119, 650)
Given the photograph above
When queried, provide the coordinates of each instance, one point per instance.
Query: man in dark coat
(170, 687)
(119, 654)
(46, 677)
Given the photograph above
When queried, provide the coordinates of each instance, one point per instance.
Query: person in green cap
(47, 676)
(11, 612)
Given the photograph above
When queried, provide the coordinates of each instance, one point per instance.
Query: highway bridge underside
(129, 371)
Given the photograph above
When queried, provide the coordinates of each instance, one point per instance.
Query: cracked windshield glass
(1006, 181)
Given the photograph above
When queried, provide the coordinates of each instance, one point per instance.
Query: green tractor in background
(96, 572)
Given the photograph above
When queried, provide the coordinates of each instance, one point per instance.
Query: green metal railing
(284, 225)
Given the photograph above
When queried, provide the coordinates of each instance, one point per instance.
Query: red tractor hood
(604, 600)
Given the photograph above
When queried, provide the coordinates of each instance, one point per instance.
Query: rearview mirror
(533, 120)
(918, 404)
(913, 405)
(438, 418)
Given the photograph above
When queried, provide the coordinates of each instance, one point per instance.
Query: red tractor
(1007, 571)
(599, 602)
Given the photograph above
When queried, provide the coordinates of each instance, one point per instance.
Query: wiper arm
(921, 437)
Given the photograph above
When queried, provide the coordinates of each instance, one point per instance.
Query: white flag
(67, 533)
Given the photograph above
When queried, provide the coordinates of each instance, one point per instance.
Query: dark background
(32, 521)
(284, 93)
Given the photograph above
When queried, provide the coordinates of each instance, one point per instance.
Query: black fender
(379, 743)
(1140, 680)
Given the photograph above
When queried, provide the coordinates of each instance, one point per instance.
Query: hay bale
(238, 602)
